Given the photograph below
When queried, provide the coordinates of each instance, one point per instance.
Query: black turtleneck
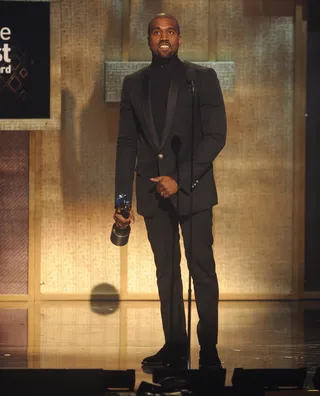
(162, 72)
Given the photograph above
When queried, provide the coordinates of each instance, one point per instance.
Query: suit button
(160, 156)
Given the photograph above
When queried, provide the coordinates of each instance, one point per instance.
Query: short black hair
(163, 15)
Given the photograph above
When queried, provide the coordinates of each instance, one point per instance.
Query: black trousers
(163, 234)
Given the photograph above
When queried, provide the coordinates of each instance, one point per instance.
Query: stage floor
(70, 334)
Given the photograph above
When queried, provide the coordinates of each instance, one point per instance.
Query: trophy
(120, 236)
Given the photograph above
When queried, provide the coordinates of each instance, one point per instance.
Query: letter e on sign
(5, 33)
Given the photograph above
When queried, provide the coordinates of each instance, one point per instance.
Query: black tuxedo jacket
(139, 148)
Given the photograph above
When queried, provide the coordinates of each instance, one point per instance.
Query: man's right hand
(121, 222)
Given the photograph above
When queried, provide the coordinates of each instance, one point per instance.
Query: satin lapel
(146, 104)
(171, 106)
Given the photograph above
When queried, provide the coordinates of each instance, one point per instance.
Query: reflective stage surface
(113, 335)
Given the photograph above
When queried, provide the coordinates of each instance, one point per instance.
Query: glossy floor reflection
(120, 335)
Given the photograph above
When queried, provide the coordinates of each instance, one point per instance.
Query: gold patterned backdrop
(253, 224)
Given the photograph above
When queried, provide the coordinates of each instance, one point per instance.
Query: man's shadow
(88, 157)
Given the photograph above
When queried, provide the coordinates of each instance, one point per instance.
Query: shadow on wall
(88, 152)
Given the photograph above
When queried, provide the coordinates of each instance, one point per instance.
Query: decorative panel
(116, 71)
(254, 174)
(14, 212)
(55, 80)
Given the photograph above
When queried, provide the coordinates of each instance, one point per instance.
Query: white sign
(5, 35)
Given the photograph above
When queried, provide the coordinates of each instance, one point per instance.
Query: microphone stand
(175, 145)
(192, 89)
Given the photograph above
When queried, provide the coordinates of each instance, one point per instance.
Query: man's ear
(148, 38)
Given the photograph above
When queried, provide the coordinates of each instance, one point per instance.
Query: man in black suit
(174, 181)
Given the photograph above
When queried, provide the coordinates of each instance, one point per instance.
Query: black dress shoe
(171, 355)
(209, 358)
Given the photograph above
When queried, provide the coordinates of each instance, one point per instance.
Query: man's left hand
(166, 186)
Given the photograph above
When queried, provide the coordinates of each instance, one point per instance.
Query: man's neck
(162, 61)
